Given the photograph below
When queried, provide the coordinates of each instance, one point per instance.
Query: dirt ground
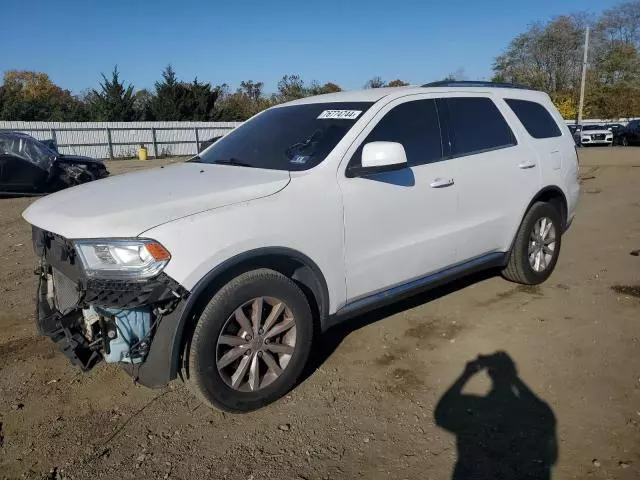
(367, 408)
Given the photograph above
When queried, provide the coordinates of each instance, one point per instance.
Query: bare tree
(622, 23)
(375, 82)
(458, 75)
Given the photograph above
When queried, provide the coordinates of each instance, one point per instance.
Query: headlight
(122, 259)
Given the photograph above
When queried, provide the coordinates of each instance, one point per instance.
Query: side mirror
(380, 157)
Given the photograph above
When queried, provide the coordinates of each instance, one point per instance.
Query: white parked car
(223, 269)
(596, 135)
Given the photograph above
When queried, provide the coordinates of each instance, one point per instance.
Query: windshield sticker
(300, 159)
(342, 114)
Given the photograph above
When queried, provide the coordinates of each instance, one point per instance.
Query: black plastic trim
(156, 370)
(555, 190)
(358, 171)
(63, 331)
(475, 83)
(428, 282)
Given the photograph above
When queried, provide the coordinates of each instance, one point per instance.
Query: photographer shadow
(509, 433)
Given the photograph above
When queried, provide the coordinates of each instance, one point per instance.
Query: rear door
(497, 174)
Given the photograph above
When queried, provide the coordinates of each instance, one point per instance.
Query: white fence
(601, 121)
(122, 139)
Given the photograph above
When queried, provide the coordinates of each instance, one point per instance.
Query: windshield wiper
(233, 161)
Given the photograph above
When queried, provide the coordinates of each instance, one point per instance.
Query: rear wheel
(251, 342)
(624, 141)
(536, 247)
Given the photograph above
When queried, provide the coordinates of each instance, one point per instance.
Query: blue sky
(344, 41)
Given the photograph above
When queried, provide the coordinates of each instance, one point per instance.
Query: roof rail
(466, 83)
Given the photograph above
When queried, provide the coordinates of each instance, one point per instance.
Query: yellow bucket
(142, 153)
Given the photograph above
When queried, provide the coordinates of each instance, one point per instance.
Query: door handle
(527, 164)
(441, 182)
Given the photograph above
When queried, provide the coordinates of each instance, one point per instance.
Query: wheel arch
(291, 263)
(549, 194)
(555, 196)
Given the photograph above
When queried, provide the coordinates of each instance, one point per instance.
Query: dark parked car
(616, 129)
(29, 166)
(630, 135)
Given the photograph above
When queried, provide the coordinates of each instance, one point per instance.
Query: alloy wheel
(542, 244)
(256, 344)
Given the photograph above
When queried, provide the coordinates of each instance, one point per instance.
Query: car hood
(127, 205)
(596, 132)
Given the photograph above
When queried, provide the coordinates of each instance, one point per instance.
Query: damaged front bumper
(113, 320)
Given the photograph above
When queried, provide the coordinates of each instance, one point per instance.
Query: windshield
(593, 127)
(293, 138)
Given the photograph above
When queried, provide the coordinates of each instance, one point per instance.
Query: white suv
(596, 135)
(221, 270)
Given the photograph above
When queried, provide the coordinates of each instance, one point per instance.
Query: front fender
(163, 361)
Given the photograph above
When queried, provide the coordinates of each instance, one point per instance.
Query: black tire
(519, 269)
(624, 141)
(202, 375)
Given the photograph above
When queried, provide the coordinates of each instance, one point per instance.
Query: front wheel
(536, 247)
(251, 342)
(624, 141)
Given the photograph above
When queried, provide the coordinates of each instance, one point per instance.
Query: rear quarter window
(535, 118)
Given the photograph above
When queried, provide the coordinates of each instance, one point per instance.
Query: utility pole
(584, 76)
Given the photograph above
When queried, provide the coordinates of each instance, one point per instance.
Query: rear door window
(476, 125)
(535, 118)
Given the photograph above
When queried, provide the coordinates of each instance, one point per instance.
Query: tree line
(32, 96)
(548, 57)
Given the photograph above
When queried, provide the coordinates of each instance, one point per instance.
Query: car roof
(11, 133)
(375, 94)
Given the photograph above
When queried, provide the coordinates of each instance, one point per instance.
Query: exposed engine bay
(92, 319)
(124, 333)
